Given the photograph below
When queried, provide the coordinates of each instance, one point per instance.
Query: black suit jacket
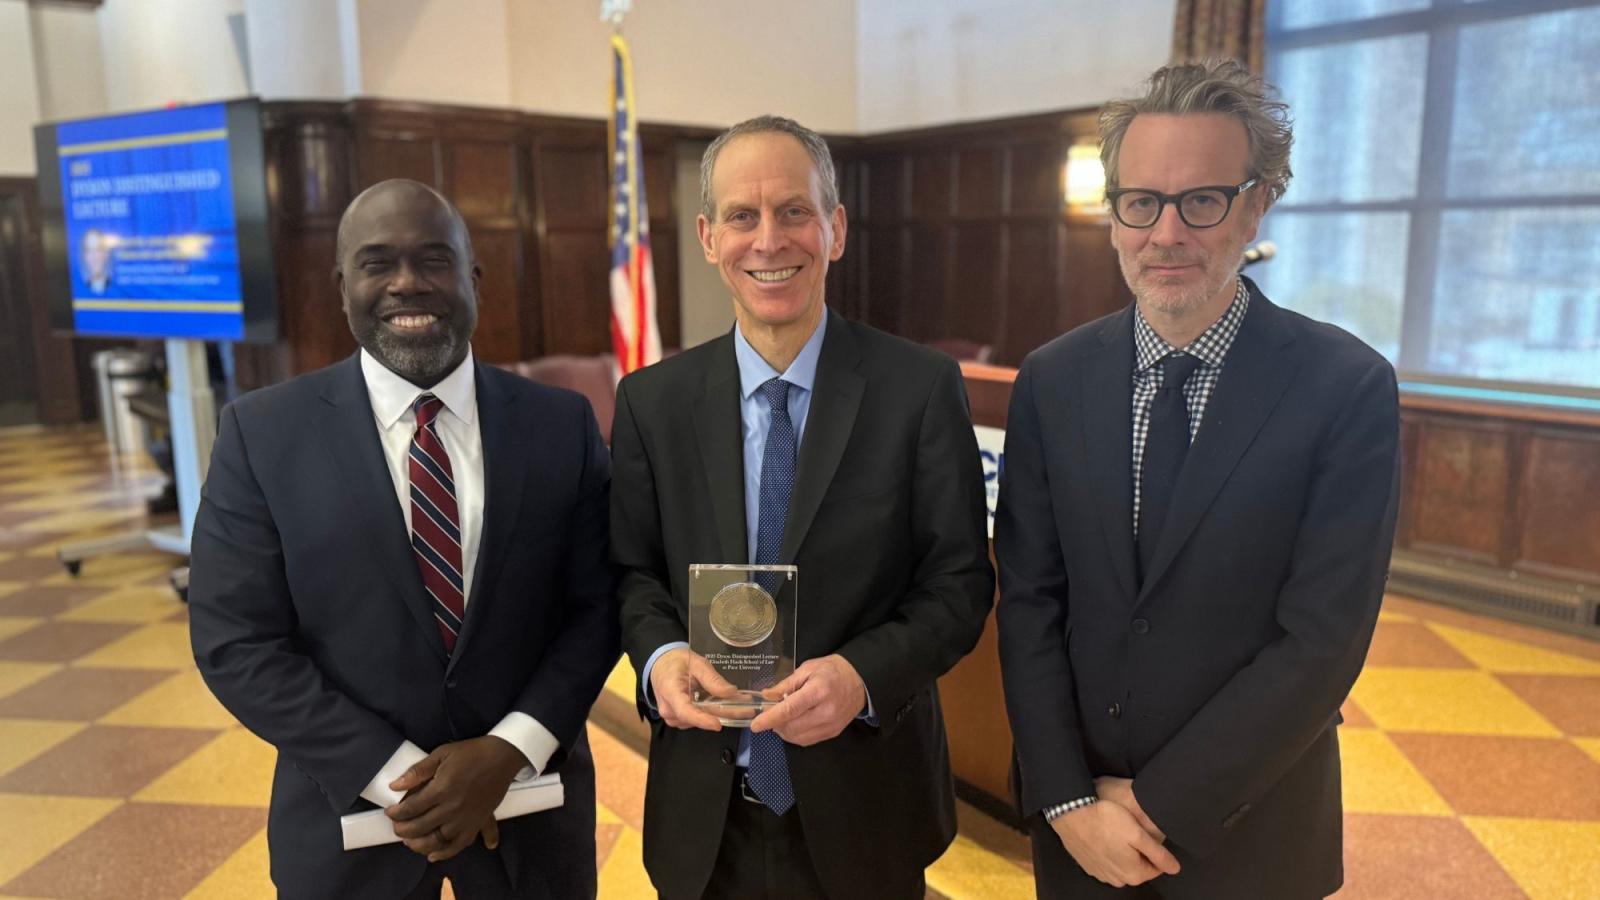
(1215, 683)
(886, 524)
(310, 623)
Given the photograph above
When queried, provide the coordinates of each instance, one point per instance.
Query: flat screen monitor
(155, 224)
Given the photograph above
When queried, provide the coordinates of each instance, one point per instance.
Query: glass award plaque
(742, 619)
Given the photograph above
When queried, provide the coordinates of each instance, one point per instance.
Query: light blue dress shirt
(756, 419)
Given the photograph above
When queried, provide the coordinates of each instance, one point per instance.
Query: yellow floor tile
(967, 870)
(51, 822)
(23, 739)
(1548, 859)
(182, 701)
(233, 770)
(623, 876)
(1395, 617)
(604, 816)
(9, 587)
(12, 625)
(622, 682)
(119, 569)
(1378, 778)
(244, 876)
(140, 605)
(83, 520)
(160, 646)
(14, 676)
(1503, 655)
(63, 501)
(50, 485)
(1590, 746)
(1445, 701)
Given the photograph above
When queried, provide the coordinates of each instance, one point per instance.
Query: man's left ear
(477, 276)
(839, 228)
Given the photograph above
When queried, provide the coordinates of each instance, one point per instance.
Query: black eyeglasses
(1201, 207)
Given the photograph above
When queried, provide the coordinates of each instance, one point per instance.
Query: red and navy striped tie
(436, 522)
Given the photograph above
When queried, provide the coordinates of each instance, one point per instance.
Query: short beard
(1170, 301)
(421, 361)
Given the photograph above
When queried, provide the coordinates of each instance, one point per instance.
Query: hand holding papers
(372, 828)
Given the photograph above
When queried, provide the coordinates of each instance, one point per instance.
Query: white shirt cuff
(533, 740)
(378, 790)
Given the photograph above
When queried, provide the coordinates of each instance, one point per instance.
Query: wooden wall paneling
(1410, 439)
(976, 299)
(499, 335)
(885, 274)
(980, 184)
(932, 185)
(660, 185)
(1036, 176)
(1464, 485)
(1092, 282)
(924, 296)
(571, 190)
(1033, 287)
(1557, 527)
(577, 314)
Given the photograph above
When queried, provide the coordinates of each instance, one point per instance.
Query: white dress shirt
(393, 399)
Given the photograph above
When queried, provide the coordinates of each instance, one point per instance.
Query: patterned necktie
(769, 763)
(436, 522)
(1165, 446)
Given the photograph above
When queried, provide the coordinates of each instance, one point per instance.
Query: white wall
(66, 48)
(19, 92)
(298, 48)
(161, 51)
(696, 62)
(937, 61)
(440, 51)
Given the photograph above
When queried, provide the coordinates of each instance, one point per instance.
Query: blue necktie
(769, 766)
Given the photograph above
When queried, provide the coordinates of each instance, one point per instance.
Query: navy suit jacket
(310, 623)
(1214, 683)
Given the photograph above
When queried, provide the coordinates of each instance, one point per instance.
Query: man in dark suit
(798, 438)
(1193, 531)
(400, 580)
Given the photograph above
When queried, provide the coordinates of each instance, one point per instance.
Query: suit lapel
(719, 434)
(504, 469)
(1108, 434)
(351, 436)
(1258, 369)
(828, 425)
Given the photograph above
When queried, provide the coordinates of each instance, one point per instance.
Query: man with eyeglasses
(1193, 531)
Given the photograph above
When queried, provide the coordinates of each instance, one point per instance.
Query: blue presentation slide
(150, 225)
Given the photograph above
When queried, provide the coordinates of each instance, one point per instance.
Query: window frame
(1441, 22)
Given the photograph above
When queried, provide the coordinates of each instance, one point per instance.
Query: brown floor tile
(29, 568)
(1355, 716)
(142, 850)
(61, 641)
(1412, 644)
(1570, 702)
(106, 761)
(1539, 778)
(12, 539)
(79, 695)
(1418, 858)
(49, 600)
(619, 777)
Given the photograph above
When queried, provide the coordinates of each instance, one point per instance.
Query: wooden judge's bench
(1497, 514)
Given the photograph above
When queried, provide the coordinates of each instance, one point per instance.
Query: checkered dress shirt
(1148, 352)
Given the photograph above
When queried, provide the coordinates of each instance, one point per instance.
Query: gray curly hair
(816, 148)
(1212, 86)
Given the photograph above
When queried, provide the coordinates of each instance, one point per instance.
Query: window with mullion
(1446, 201)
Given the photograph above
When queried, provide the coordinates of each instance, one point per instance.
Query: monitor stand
(192, 408)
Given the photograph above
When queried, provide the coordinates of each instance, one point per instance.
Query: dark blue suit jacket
(1214, 683)
(310, 623)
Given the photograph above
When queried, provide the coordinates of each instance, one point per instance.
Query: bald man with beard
(400, 581)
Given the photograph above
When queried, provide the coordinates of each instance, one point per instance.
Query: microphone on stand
(1259, 253)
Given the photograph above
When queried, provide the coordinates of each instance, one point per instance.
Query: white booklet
(372, 828)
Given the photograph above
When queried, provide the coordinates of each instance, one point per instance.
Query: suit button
(452, 682)
(727, 757)
(1141, 626)
(1115, 710)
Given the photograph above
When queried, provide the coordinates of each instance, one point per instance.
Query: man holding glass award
(798, 512)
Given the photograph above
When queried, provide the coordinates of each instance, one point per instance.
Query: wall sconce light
(1084, 179)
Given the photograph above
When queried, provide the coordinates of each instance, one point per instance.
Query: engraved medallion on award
(741, 619)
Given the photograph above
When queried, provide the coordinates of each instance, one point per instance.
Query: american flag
(634, 336)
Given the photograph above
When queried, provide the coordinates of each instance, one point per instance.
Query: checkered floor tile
(1471, 746)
